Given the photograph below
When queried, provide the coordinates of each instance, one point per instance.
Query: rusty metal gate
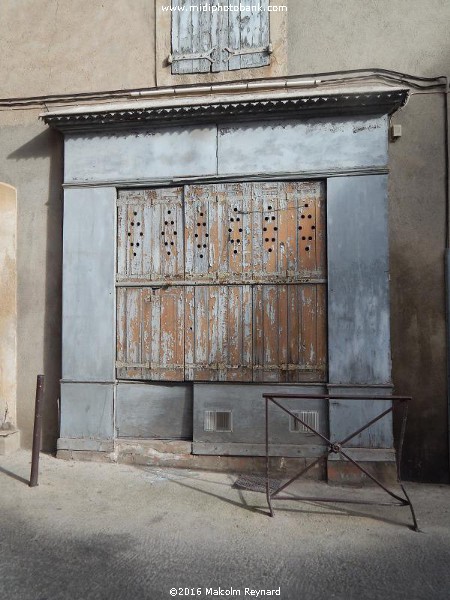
(222, 282)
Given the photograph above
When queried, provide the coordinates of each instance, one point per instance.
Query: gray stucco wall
(410, 36)
(417, 242)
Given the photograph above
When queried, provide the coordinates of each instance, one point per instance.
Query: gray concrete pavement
(107, 531)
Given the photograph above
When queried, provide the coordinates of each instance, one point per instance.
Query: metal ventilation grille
(311, 417)
(216, 420)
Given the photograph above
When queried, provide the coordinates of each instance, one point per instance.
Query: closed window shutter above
(206, 41)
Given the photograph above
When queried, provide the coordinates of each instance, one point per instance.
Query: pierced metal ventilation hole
(310, 417)
(217, 420)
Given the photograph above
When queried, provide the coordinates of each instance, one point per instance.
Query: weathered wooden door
(222, 282)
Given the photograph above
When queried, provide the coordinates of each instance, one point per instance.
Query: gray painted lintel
(233, 178)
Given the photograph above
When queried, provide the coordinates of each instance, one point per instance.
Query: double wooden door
(222, 282)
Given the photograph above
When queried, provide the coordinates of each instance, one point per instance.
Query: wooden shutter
(221, 40)
(248, 35)
(222, 282)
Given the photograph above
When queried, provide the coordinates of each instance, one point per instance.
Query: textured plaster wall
(59, 46)
(404, 35)
(8, 311)
(417, 240)
(410, 36)
(31, 160)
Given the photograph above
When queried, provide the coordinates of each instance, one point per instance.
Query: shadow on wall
(46, 145)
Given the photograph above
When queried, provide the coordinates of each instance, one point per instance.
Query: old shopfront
(216, 248)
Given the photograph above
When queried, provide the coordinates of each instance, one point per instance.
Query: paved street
(107, 531)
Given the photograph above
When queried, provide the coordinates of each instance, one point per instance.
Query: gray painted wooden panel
(307, 145)
(358, 285)
(254, 29)
(154, 153)
(219, 31)
(248, 417)
(154, 411)
(182, 35)
(243, 28)
(88, 284)
(87, 410)
(346, 416)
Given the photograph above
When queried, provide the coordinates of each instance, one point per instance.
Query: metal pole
(37, 432)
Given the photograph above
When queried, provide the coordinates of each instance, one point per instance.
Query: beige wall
(8, 309)
(31, 159)
(64, 46)
(410, 36)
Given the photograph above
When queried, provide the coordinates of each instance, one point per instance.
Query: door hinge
(207, 55)
(231, 53)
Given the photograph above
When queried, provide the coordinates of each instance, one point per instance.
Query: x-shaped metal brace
(333, 447)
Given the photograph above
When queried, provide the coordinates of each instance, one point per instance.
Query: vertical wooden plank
(294, 340)
(201, 332)
(121, 328)
(236, 223)
(258, 334)
(155, 344)
(169, 209)
(189, 240)
(172, 334)
(205, 36)
(309, 325)
(247, 332)
(197, 64)
(197, 232)
(246, 232)
(214, 235)
(250, 32)
(233, 357)
(319, 232)
(133, 336)
(219, 29)
(322, 337)
(175, 29)
(185, 36)
(283, 333)
(270, 224)
(146, 333)
(190, 340)
(258, 227)
(213, 326)
(122, 241)
(271, 333)
(220, 232)
(234, 34)
(148, 234)
(223, 316)
(288, 238)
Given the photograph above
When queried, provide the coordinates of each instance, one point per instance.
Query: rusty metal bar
(37, 432)
(267, 461)
(366, 426)
(302, 472)
(336, 448)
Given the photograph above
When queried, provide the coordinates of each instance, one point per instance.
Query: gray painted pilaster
(88, 363)
(358, 306)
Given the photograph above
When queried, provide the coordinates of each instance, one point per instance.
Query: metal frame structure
(338, 448)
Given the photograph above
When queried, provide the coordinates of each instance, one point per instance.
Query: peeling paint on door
(222, 282)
